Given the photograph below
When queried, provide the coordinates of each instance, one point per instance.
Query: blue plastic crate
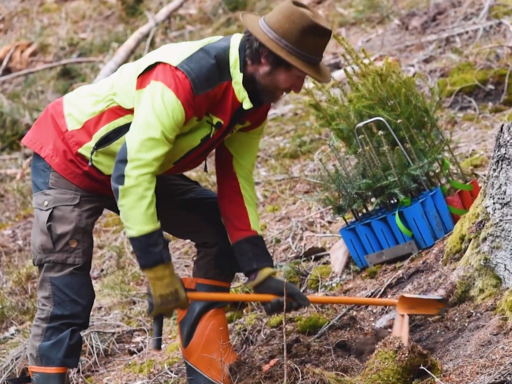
(383, 232)
(428, 218)
(434, 219)
(354, 245)
(442, 209)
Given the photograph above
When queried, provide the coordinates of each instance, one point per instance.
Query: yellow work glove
(263, 281)
(166, 291)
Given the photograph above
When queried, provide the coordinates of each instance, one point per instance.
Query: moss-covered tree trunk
(482, 239)
(497, 202)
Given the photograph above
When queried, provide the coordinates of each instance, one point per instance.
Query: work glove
(165, 292)
(263, 281)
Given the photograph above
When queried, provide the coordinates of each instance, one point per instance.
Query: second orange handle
(255, 297)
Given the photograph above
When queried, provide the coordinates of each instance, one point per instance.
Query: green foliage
(372, 272)
(467, 78)
(275, 321)
(67, 76)
(369, 167)
(318, 275)
(394, 364)
(235, 5)
(234, 316)
(310, 324)
(18, 295)
(292, 272)
(505, 305)
(501, 9)
(14, 122)
(131, 8)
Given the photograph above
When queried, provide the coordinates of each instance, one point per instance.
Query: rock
(339, 256)
(386, 320)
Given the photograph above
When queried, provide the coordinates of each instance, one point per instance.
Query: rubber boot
(48, 375)
(204, 335)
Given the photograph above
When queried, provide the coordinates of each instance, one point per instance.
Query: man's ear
(264, 57)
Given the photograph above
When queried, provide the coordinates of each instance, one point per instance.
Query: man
(123, 144)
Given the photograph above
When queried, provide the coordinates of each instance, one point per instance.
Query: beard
(261, 89)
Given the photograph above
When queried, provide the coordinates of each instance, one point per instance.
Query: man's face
(272, 83)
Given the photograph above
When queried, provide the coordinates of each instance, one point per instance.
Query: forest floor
(472, 342)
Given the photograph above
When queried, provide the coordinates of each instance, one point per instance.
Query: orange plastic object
(406, 304)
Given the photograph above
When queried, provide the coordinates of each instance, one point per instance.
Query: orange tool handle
(212, 296)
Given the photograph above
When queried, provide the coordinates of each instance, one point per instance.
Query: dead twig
(431, 374)
(129, 46)
(506, 85)
(151, 34)
(7, 58)
(477, 110)
(29, 71)
(285, 379)
(485, 11)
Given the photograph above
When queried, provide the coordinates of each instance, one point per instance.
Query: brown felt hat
(296, 33)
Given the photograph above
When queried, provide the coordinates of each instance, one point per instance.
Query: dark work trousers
(62, 247)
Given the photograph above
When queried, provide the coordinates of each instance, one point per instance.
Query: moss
(275, 321)
(505, 305)
(318, 275)
(67, 77)
(143, 368)
(466, 78)
(234, 316)
(372, 272)
(235, 5)
(501, 9)
(392, 363)
(461, 293)
(272, 208)
(479, 281)
(50, 7)
(497, 109)
(130, 8)
(460, 238)
(292, 272)
(310, 324)
(473, 162)
(171, 348)
(251, 319)
(470, 117)
(173, 360)
(486, 284)
(241, 289)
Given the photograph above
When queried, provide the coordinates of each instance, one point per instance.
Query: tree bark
(497, 203)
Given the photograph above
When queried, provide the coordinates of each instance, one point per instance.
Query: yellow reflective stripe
(244, 146)
(88, 101)
(159, 118)
(103, 159)
(236, 75)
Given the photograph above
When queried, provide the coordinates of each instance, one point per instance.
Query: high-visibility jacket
(163, 114)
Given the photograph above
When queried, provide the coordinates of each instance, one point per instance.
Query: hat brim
(319, 72)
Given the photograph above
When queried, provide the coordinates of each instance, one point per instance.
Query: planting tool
(405, 304)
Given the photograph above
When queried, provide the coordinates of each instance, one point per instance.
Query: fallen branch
(28, 71)
(129, 46)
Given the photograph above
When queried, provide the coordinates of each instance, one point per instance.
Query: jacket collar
(247, 98)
